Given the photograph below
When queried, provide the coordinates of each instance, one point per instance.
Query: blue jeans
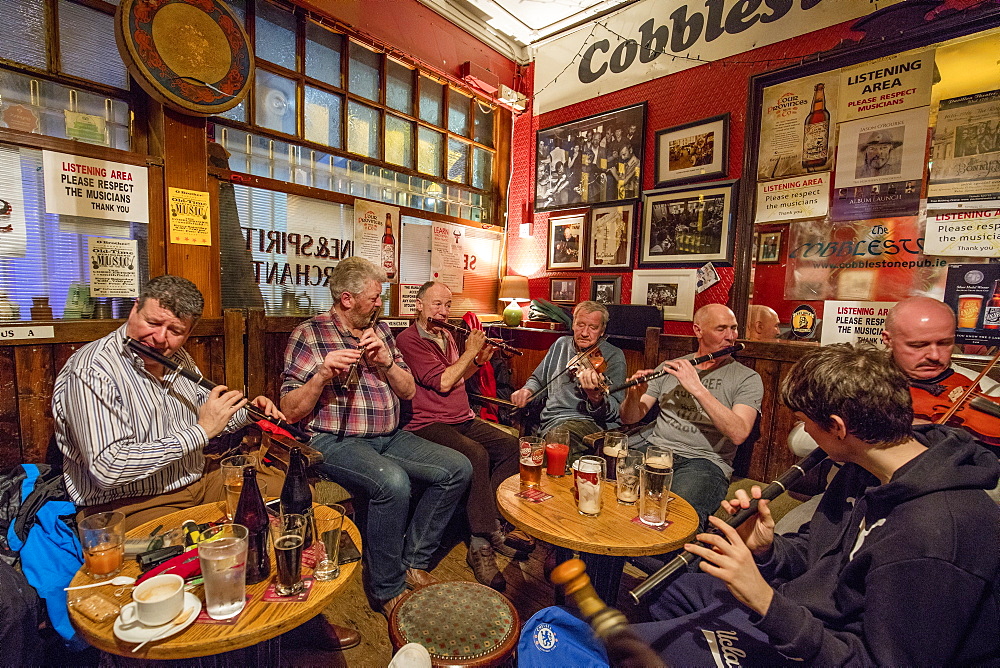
(382, 468)
(701, 483)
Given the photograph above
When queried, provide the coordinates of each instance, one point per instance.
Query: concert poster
(965, 172)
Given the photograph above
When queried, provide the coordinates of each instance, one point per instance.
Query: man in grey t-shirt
(705, 411)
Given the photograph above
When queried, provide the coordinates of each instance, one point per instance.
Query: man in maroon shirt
(440, 413)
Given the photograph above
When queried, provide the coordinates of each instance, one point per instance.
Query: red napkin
(273, 428)
(185, 565)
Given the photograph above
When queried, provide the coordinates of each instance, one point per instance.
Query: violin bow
(968, 392)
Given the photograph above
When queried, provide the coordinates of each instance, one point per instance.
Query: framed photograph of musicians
(592, 160)
(692, 152)
(563, 290)
(670, 290)
(769, 247)
(565, 247)
(606, 289)
(609, 238)
(688, 224)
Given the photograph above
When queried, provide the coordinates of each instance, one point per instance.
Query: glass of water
(627, 478)
(329, 520)
(223, 556)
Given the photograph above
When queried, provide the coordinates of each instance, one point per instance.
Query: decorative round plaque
(191, 55)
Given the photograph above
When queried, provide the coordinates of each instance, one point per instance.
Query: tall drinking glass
(615, 445)
(102, 536)
(329, 525)
(627, 477)
(588, 477)
(232, 479)
(654, 493)
(556, 450)
(223, 556)
(288, 536)
(532, 453)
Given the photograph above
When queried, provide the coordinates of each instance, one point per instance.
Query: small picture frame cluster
(564, 290)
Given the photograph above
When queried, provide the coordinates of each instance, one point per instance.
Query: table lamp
(513, 289)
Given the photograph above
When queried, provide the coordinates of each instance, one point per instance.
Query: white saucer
(138, 632)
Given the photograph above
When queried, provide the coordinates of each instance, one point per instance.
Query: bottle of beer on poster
(816, 134)
(389, 249)
(251, 513)
(296, 498)
(991, 319)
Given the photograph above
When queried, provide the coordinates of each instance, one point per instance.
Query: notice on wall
(408, 299)
(114, 270)
(376, 235)
(787, 133)
(973, 292)
(13, 233)
(448, 255)
(794, 198)
(965, 170)
(78, 186)
(893, 83)
(963, 233)
(190, 222)
(854, 322)
(884, 149)
(86, 127)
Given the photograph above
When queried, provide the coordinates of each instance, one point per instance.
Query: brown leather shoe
(388, 606)
(318, 633)
(417, 578)
(514, 544)
(484, 565)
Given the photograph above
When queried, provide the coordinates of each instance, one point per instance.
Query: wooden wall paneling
(651, 347)
(769, 371)
(10, 426)
(35, 375)
(780, 457)
(234, 327)
(255, 352)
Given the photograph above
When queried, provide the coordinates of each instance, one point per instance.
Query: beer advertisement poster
(376, 235)
(806, 196)
(113, 268)
(797, 127)
(448, 255)
(965, 172)
(973, 292)
(963, 233)
(885, 149)
(894, 83)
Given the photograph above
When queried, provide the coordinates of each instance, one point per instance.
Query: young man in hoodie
(900, 565)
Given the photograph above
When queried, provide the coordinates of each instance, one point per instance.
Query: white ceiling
(510, 26)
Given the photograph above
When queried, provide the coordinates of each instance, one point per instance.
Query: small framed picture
(609, 237)
(565, 242)
(692, 152)
(563, 290)
(606, 289)
(688, 224)
(769, 247)
(670, 290)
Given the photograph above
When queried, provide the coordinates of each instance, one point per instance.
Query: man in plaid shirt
(344, 378)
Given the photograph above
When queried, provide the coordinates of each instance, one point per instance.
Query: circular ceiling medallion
(192, 55)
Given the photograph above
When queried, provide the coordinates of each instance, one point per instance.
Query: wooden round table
(603, 541)
(260, 621)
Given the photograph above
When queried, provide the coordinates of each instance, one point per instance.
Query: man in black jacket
(899, 566)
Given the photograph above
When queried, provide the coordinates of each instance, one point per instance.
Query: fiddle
(592, 361)
(955, 400)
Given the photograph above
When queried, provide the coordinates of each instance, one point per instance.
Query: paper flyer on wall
(963, 233)
(793, 139)
(884, 149)
(894, 83)
(448, 255)
(376, 235)
(114, 270)
(965, 168)
(78, 186)
(854, 322)
(879, 200)
(791, 199)
(13, 233)
(190, 218)
(973, 292)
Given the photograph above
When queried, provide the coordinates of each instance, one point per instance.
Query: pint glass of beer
(531, 457)
(968, 310)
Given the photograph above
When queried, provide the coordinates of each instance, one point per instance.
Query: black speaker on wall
(632, 319)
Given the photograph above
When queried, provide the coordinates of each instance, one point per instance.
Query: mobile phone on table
(349, 552)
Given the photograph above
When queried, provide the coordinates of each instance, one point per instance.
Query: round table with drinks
(603, 541)
(255, 634)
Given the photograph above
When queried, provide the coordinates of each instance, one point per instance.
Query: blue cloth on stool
(554, 636)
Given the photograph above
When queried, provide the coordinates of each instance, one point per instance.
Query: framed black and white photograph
(593, 160)
(609, 238)
(670, 290)
(563, 290)
(606, 289)
(566, 242)
(688, 224)
(769, 247)
(692, 152)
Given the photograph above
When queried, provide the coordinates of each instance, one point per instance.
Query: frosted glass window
(87, 45)
(275, 37)
(399, 87)
(362, 129)
(275, 102)
(237, 113)
(398, 141)
(458, 113)
(430, 146)
(431, 101)
(323, 110)
(24, 38)
(482, 121)
(458, 160)
(363, 72)
(482, 168)
(323, 49)
(239, 8)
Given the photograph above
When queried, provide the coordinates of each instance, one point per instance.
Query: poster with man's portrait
(610, 237)
(565, 242)
(883, 149)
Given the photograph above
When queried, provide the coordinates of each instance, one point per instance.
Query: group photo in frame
(688, 224)
(609, 236)
(564, 290)
(695, 151)
(606, 289)
(565, 244)
(670, 290)
(769, 247)
(593, 160)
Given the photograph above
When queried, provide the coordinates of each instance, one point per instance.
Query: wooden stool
(460, 624)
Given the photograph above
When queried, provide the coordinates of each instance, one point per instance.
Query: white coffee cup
(157, 601)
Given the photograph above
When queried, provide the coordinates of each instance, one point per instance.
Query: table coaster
(636, 520)
(272, 596)
(311, 554)
(203, 617)
(534, 495)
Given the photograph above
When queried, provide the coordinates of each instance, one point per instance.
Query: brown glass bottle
(816, 133)
(251, 513)
(991, 319)
(296, 497)
(389, 249)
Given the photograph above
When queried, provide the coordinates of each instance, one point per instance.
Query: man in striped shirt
(133, 432)
(344, 378)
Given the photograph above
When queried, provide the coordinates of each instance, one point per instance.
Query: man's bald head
(922, 309)
(762, 323)
(711, 312)
(715, 328)
(920, 333)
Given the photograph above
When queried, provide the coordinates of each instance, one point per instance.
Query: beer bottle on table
(816, 134)
(296, 497)
(251, 513)
(991, 319)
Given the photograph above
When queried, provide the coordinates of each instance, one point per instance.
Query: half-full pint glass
(531, 457)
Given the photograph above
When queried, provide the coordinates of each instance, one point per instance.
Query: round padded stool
(460, 624)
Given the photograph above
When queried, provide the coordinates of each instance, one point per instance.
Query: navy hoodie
(919, 585)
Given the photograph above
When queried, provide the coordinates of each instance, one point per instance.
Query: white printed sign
(894, 83)
(794, 198)
(448, 255)
(853, 322)
(963, 233)
(78, 186)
